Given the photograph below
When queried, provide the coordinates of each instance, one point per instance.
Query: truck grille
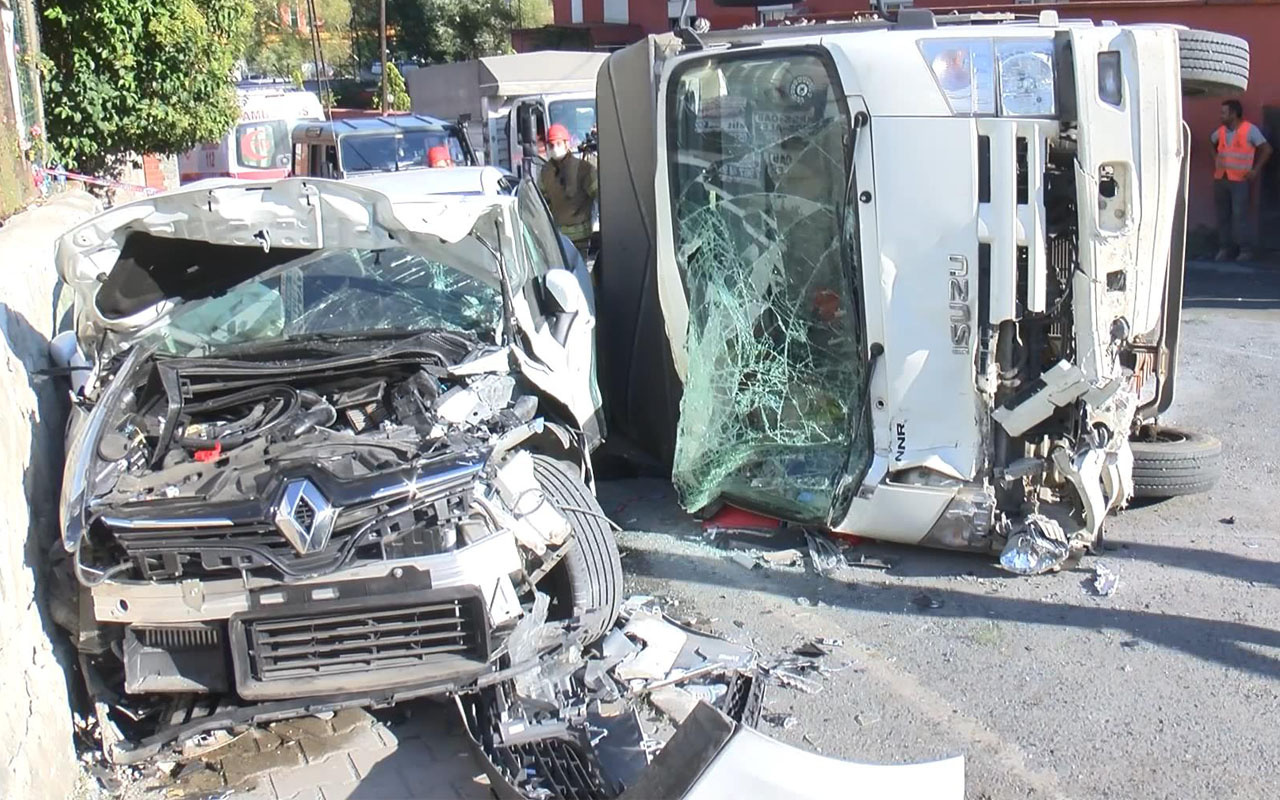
(362, 647)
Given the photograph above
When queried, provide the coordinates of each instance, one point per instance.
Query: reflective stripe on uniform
(1235, 153)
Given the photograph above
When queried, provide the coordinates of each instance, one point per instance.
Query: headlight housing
(986, 77)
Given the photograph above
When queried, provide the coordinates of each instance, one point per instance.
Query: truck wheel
(1213, 64)
(587, 583)
(1170, 462)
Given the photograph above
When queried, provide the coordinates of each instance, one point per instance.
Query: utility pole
(382, 35)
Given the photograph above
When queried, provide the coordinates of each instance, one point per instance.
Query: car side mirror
(564, 295)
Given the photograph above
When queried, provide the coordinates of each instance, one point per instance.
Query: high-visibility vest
(1235, 154)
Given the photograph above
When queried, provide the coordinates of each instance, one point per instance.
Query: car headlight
(983, 77)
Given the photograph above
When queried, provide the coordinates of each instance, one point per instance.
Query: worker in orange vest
(1242, 152)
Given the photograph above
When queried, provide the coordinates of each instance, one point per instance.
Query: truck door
(758, 282)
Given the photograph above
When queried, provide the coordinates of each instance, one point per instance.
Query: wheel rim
(1152, 435)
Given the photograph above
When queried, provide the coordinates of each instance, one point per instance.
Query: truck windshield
(394, 152)
(579, 116)
(775, 392)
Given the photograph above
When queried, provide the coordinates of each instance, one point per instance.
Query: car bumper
(417, 622)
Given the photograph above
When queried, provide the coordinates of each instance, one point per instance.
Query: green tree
(532, 13)
(146, 76)
(397, 92)
(435, 31)
(276, 46)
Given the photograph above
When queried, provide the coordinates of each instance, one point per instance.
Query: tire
(1213, 64)
(587, 583)
(1170, 462)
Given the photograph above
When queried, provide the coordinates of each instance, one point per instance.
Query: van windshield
(775, 391)
(392, 152)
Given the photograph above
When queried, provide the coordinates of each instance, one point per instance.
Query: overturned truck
(917, 279)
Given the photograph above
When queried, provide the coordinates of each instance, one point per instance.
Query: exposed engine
(376, 459)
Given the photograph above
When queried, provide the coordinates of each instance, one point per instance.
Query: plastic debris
(784, 721)
(1105, 580)
(804, 601)
(869, 562)
(663, 643)
(829, 641)
(745, 560)
(811, 649)
(825, 555)
(673, 701)
(783, 558)
(736, 519)
(1039, 547)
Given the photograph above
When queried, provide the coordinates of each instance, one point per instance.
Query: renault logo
(305, 516)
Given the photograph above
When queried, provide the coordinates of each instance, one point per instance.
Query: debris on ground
(1040, 546)
(926, 602)
(1231, 520)
(745, 560)
(864, 561)
(784, 721)
(783, 558)
(1105, 580)
(826, 556)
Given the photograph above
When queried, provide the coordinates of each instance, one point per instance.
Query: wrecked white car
(326, 449)
(920, 278)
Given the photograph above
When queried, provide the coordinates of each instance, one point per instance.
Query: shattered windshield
(393, 152)
(335, 292)
(774, 395)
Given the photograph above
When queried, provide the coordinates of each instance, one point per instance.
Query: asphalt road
(1168, 688)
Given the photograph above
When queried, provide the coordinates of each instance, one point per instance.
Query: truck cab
(366, 145)
(919, 279)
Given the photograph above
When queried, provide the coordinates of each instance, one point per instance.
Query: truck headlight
(965, 72)
(1026, 79)
(987, 77)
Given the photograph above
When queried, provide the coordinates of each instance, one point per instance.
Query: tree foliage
(397, 91)
(435, 31)
(277, 47)
(146, 76)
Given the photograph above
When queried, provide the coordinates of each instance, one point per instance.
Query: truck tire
(587, 583)
(1213, 64)
(1170, 462)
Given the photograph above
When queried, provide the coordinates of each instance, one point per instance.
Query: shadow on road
(1232, 286)
(1208, 561)
(1226, 643)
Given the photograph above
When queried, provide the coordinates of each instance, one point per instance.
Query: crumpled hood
(300, 214)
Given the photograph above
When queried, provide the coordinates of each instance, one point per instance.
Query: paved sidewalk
(417, 750)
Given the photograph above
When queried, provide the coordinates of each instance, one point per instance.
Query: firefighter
(569, 183)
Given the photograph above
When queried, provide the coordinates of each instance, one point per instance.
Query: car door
(560, 317)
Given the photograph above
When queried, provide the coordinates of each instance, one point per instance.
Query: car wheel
(587, 583)
(1170, 462)
(1213, 64)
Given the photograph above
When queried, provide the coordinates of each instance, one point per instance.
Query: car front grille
(318, 652)
(171, 552)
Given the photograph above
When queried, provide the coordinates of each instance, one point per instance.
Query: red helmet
(558, 133)
(438, 156)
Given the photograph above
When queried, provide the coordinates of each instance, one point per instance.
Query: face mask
(559, 151)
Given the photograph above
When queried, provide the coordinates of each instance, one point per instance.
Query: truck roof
(388, 124)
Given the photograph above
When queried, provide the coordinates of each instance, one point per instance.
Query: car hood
(201, 240)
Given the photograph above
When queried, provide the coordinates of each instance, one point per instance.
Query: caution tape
(76, 176)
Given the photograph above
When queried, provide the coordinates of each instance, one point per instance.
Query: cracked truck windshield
(774, 404)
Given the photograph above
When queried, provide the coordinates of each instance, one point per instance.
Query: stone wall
(37, 757)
